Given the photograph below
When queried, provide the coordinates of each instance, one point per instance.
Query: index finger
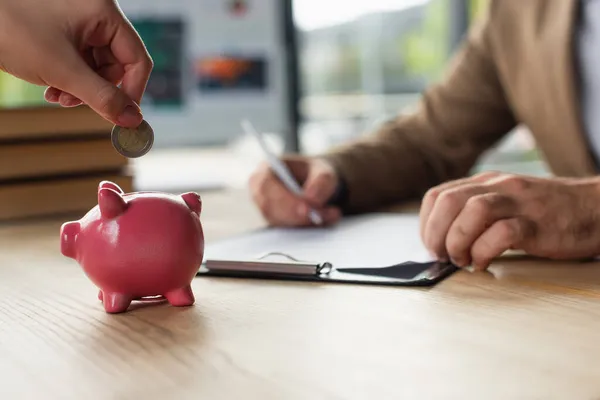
(282, 205)
(129, 50)
(432, 194)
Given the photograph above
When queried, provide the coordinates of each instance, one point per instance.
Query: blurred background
(313, 74)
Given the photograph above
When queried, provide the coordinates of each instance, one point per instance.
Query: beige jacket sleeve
(456, 120)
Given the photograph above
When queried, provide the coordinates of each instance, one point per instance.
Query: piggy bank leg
(115, 302)
(100, 295)
(181, 297)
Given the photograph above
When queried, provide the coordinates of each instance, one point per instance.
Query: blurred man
(532, 62)
(81, 50)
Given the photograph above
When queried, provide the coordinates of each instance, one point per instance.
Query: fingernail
(480, 266)
(130, 116)
(72, 103)
(437, 257)
(456, 262)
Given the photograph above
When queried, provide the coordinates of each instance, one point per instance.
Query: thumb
(100, 95)
(319, 186)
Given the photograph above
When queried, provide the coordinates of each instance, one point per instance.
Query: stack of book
(52, 159)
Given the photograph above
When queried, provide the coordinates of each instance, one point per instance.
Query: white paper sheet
(371, 240)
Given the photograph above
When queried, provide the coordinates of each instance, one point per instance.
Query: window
(367, 62)
(371, 60)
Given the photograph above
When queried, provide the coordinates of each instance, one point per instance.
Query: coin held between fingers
(133, 142)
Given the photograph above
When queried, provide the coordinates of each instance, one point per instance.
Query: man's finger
(446, 208)
(283, 208)
(277, 204)
(288, 214)
(287, 209)
(298, 166)
(432, 195)
(503, 235)
(319, 186)
(330, 215)
(478, 214)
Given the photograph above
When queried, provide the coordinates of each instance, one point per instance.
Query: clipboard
(369, 249)
(408, 273)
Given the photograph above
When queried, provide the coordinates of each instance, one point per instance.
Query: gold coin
(133, 143)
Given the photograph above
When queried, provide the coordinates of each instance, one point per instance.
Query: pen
(280, 169)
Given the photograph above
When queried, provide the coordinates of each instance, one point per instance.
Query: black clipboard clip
(403, 274)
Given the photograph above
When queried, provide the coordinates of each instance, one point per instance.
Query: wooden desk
(526, 330)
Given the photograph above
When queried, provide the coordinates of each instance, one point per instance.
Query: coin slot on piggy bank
(138, 246)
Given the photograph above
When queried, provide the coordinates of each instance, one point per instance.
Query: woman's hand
(81, 50)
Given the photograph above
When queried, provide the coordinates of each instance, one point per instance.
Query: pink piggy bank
(138, 246)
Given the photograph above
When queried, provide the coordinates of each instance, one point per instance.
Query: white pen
(280, 169)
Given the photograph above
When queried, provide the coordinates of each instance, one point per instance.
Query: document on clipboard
(379, 248)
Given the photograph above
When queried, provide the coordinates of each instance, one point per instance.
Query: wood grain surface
(526, 329)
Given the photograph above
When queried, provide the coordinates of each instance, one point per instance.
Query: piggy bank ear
(68, 236)
(110, 185)
(111, 203)
(193, 201)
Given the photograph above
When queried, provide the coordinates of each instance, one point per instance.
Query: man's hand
(280, 207)
(473, 220)
(81, 50)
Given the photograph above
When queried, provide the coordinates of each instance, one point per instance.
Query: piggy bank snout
(68, 238)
